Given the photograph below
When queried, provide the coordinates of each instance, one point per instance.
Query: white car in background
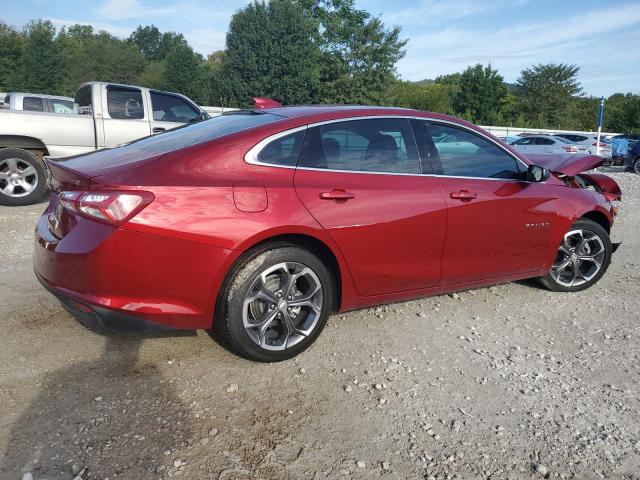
(544, 145)
(35, 102)
(588, 143)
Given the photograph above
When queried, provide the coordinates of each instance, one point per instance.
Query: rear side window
(125, 103)
(33, 104)
(465, 154)
(543, 141)
(283, 151)
(169, 108)
(523, 141)
(384, 145)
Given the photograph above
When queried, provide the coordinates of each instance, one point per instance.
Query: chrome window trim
(251, 156)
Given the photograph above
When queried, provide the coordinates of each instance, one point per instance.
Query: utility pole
(600, 116)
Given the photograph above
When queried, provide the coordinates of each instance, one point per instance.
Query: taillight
(570, 148)
(600, 145)
(110, 207)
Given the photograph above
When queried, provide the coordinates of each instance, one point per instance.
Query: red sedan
(262, 222)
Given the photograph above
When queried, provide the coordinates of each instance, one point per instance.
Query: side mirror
(537, 174)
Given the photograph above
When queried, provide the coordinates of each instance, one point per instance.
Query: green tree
(182, 72)
(545, 92)
(622, 113)
(481, 95)
(153, 76)
(109, 59)
(270, 52)
(153, 44)
(11, 51)
(433, 97)
(42, 69)
(359, 53)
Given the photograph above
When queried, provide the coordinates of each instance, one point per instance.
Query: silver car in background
(544, 145)
(588, 143)
(35, 102)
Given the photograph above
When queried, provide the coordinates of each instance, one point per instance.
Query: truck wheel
(22, 177)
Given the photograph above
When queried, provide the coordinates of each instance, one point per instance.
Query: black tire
(635, 166)
(24, 159)
(550, 280)
(229, 320)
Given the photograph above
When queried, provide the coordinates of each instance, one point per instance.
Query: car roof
(330, 112)
(40, 95)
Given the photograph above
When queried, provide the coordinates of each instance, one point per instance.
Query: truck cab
(127, 113)
(105, 115)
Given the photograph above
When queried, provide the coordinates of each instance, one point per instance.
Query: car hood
(569, 164)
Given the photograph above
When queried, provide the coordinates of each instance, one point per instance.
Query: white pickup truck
(107, 115)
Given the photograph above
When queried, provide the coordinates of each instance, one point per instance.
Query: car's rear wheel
(22, 177)
(635, 166)
(276, 303)
(582, 258)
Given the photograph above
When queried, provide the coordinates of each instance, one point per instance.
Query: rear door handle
(158, 129)
(337, 194)
(463, 195)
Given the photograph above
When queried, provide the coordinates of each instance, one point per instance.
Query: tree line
(300, 51)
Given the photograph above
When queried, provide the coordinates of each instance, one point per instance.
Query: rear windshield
(203, 131)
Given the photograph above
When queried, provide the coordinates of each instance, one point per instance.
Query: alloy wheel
(636, 165)
(579, 258)
(282, 306)
(17, 177)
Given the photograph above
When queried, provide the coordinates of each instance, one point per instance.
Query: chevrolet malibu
(262, 222)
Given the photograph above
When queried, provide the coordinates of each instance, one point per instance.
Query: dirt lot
(505, 382)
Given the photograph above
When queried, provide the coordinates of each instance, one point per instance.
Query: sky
(445, 36)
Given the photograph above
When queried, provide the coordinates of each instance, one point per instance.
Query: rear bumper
(127, 280)
(102, 319)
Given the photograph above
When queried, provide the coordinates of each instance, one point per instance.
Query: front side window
(125, 103)
(33, 104)
(283, 150)
(383, 145)
(169, 108)
(465, 154)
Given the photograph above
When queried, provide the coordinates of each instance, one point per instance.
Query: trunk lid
(107, 160)
(569, 164)
(60, 177)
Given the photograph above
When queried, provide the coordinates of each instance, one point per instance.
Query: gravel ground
(510, 381)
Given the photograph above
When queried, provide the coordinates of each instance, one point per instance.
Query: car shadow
(531, 282)
(112, 416)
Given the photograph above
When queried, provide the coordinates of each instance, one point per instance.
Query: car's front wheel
(582, 258)
(635, 166)
(276, 303)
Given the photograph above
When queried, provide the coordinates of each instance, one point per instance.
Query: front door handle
(337, 194)
(464, 195)
(158, 129)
